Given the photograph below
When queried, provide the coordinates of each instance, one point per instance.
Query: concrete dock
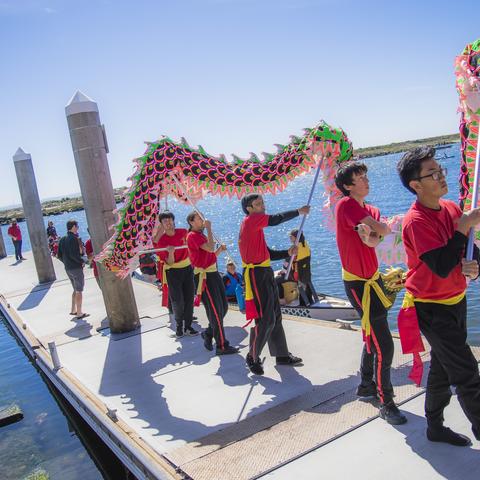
(170, 409)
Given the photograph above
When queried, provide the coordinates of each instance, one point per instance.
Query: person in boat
(358, 230)
(261, 293)
(233, 286)
(302, 271)
(148, 266)
(177, 282)
(281, 280)
(208, 283)
(435, 234)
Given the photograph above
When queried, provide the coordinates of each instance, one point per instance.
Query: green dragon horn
(267, 157)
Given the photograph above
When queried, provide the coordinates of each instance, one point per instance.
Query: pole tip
(21, 155)
(80, 103)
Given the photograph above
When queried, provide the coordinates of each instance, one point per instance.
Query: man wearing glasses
(435, 233)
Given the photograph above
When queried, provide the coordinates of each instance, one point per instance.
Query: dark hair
(344, 175)
(190, 218)
(247, 201)
(294, 233)
(410, 165)
(71, 224)
(166, 214)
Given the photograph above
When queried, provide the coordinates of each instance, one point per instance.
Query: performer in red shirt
(15, 234)
(177, 272)
(359, 230)
(435, 233)
(208, 283)
(261, 293)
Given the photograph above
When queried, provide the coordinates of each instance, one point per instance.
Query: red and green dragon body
(200, 173)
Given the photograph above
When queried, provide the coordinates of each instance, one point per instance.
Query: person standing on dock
(261, 293)
(435, 234)
(70, 251)
(208, 282)
(359, 230)
(15, 234)
(177, 272)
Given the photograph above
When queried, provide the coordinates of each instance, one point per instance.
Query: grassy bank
(402, 146)
(53, 207)
(56, 207)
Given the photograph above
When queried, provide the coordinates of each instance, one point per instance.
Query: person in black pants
(358, 231)
(208, 282)
(177, 272)
(261, 292)
(435, 234)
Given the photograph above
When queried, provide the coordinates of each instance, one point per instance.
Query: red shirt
(198, 256)
(15, 231)
(425, 229)
(356, 257)
(178, 239)
(89, 251)
(253, 248)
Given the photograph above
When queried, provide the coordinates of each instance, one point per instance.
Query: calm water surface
(44, 437)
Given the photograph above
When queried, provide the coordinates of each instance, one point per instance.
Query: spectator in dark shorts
(70, 251)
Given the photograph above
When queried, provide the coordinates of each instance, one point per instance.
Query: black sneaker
(227, 350)
(476, 432)
(367, 391)
(207, 341)
(445, 435)
(392, 415)
(254, 366)
(190, 331)
(179, 332)
(289, 360)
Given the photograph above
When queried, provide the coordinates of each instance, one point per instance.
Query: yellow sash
(203, 275)
(369, 283)
(246, 274)
(180, 264)
(409, 299)
(303, 251)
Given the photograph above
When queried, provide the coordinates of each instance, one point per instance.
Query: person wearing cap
(358, 231)
(15, 234)
(209, 285)
(261, 294)
(435, 234)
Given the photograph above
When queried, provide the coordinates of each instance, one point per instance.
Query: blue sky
(232, 75)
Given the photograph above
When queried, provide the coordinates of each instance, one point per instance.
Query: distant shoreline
(74, 204)
(403, 146)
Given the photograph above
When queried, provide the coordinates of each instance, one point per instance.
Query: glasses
(437, 175)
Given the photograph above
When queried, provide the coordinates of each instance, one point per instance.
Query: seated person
(233, 286)
(302, 272)
(148, 267)
(289, 283)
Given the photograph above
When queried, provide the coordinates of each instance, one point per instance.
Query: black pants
(17, 244)
(305, 286)
(378, 363)
(216, 307)
(268, 328)
(452, 361)
(180, 292)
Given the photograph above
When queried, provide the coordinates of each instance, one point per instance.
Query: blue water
(386, 192)
(46, 438)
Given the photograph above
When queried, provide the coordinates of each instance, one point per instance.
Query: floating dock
(169, 409)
